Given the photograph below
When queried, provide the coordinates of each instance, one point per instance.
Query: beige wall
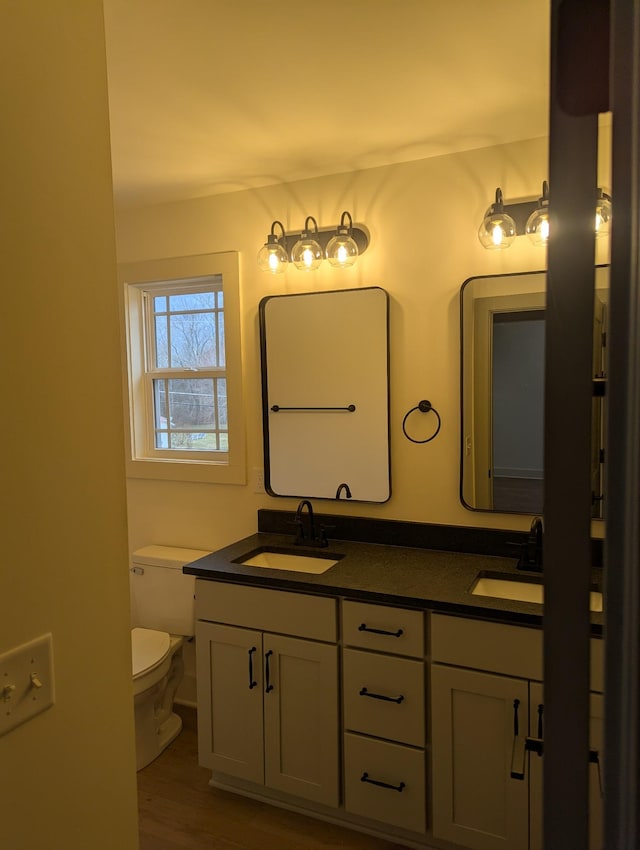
(423, 217)
(67, 778)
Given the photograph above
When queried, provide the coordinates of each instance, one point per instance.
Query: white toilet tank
(161, 594)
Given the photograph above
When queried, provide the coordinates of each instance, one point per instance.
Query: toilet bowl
(163, 617)
(157, 672)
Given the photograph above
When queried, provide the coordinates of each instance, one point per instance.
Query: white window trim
(141, 463)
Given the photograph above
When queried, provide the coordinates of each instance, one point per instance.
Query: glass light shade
(497, 231)
(342, 250)
(603, 215)
(306, 254)
(537, 227)
(272, 257)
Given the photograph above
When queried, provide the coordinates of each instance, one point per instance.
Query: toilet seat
(149, 648)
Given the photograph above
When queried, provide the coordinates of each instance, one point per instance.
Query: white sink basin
(522, 591)
(273, 560)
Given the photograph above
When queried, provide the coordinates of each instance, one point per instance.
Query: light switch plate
(26, 682)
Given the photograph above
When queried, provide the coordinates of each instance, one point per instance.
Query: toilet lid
(148, 648)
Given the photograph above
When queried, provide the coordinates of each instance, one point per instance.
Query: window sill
(175, 470)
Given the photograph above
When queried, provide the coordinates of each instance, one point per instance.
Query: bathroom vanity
(380, 693)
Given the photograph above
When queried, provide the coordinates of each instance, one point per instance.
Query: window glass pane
(190, 413)
(160, 304)
(160, 414)
(191, 403)
(192, 301)
(220, 300)
(193, 340)
(195, 441)
(221, 397)
(162, 343)
(221, 348)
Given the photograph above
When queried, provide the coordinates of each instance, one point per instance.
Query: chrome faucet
(312, 538)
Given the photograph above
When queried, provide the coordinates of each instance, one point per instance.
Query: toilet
(162, 619)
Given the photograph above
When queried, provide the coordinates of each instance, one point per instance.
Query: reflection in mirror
(502, 388)
(325, 394)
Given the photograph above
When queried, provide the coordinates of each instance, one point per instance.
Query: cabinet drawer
(400, 799)
(267, 610)
(499, 648)
(384, 696)
(496, 647)
(384, 629)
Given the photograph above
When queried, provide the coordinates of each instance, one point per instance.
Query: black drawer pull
(252, 683)
(269, 686)
(365, 693)
(364, 628)
(365, 778)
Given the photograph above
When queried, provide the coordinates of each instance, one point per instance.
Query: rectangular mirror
(325, 394)
(502, 392)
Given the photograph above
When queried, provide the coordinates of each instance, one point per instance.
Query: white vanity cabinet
(267, 669)
(486, 695)
(384, 714)
(596, 721)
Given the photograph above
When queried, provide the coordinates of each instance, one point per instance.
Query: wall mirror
(325, 394)
(502, 392)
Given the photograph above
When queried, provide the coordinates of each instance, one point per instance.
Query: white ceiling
(210, 96)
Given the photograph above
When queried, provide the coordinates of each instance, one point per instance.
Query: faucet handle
(321, 539)
(300, 535)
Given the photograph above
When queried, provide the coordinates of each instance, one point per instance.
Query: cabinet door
(595, 772)
(229, 676)
(476, 803)
(301, 718)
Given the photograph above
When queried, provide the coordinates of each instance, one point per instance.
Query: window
(183, 355)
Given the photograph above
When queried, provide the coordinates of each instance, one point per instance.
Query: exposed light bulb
(498, 229)
(273, 257)
(307, 257)
(537, 227)
(306, 254)
(603, 214)
(544, 229)
(497, 235)
(342, 250)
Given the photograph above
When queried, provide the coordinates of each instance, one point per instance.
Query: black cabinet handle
(365, 778)
(519, 749)
(365, 693)
(252, 683)
(594, 758)
(364, 628)
(269, 686)
(540, 722)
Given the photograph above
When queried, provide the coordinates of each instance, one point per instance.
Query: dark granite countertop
(395, 575)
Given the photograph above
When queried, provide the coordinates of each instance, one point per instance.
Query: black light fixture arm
(345, 228)
(308, 219)
(275, 238)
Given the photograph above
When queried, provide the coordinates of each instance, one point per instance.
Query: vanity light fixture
(341, 246)
(498, 229)
(342, 250)
(603, 213)
(273, 256)
(537, 226)
(503, 222)
(307, 253)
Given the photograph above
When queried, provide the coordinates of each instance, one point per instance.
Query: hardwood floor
(179, 811)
